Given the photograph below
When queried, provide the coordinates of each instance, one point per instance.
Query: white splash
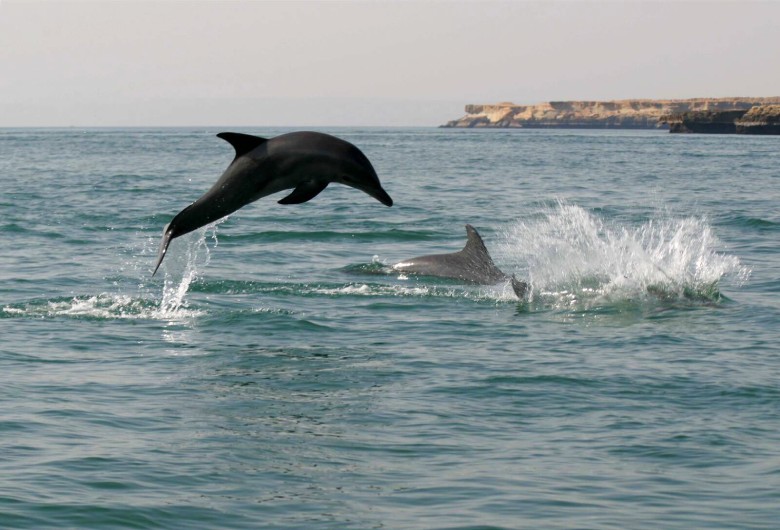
(183, 268)
(573, 256)
(104, 306)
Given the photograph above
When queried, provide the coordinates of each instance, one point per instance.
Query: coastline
(615, 114)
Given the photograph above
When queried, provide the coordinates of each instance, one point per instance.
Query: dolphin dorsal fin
(474, 243)
(242, 143)
(475, 248)
(476, 255)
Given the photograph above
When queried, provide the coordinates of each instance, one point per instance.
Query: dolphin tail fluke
(166, 240)
(519, 287)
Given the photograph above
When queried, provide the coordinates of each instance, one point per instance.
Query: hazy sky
(127, 63)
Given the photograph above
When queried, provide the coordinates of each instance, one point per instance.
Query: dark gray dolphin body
(305, 161)
(472, 264)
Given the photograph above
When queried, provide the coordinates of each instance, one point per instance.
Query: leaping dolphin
(305, 161)
(472, 264)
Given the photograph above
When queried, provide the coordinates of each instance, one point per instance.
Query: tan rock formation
(626, 113)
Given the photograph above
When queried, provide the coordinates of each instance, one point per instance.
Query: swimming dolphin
(472, 264)
(305, 161)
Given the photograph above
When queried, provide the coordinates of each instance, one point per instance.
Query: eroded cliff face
(622, 114)
(704, 121)
(760, 120)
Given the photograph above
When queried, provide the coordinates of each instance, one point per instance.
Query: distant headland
(625, 114)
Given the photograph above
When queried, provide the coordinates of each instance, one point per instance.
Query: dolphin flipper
(305, 191)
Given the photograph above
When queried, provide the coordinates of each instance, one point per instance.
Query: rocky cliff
(760, 120)
(704, 121)
(618, 114)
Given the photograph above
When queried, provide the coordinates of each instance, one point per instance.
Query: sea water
(277, 373)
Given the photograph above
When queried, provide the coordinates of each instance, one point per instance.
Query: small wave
(14, 228)
(358, 289)
(271, 236)
(364, 289)
(476, 293)
(103, 306)
(319, 289)
(753, 223)
(375, 267)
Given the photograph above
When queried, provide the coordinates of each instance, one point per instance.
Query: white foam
(373, 290)
(102, 306)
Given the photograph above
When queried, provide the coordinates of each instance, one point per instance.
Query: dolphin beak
(380, 195)
(166, 240)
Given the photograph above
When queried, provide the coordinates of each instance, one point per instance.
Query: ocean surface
(277, 373)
